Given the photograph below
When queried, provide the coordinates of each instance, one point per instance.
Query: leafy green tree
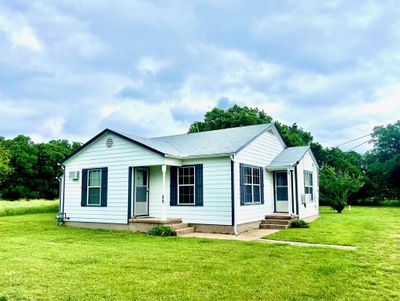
(34, 167)
(336, 186)
(5, 167)
(383, 162)
(235, 116)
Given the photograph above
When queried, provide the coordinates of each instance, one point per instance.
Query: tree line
(30, 170)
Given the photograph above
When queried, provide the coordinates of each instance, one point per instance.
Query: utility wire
(353, 140)
(369, 140)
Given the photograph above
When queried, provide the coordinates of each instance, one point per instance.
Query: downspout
(297, 189)
(62, 189)
(234, 225)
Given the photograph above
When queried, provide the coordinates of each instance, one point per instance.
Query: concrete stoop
(277, 221)
(145, 224)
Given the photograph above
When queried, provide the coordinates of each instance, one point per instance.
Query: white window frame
(194, 185)
(88, 188)
(308, 186)
(252, 168)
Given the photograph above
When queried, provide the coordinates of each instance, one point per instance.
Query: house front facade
(219, 181)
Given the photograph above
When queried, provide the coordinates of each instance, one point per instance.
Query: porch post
(290, 183)
(164, 204)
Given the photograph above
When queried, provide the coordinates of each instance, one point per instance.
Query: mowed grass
(41, 261)
(8, 208)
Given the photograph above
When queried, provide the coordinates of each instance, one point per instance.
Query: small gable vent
(109, 142)
(271, 132)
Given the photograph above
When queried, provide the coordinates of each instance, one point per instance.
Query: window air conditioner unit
(306, 198)
(74, 175)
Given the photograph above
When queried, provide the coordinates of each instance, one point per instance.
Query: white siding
(307, 164)
(259, 152)
(216, 209)
(117, 158)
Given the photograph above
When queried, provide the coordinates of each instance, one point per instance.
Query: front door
(141, 206)
(281, 192)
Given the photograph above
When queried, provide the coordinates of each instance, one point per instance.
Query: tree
(5, 167)
(233, 117)
(336, 186)
(383, 162)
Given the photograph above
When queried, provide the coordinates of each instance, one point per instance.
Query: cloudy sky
(69, 70)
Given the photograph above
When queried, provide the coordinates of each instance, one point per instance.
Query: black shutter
(241, 184)
(262, 184)
(104, 181)
(174, 186)
(199, 184)
(130, 169)
(84, 187)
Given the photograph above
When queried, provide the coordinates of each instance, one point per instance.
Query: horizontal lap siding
(260, 153)
(216, 207)
(117, 158)
(312, 208)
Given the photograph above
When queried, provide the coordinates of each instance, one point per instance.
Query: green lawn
(8, 208)
(41, 261)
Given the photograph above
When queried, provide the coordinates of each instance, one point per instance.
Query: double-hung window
(308, 183)
(94, 187)
(186, 185)
(252, 185)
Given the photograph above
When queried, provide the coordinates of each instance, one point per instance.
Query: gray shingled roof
(288, 157)
(216, 142)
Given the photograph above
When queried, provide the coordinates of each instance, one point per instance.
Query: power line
(369, 140)
(353, 140)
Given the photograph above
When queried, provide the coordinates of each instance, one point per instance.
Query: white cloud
(19, 32)
(150, 65)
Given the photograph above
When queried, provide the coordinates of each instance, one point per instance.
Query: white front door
(141, 204)
(281, 192)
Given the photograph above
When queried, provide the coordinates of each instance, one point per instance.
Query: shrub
(299, 224)
(162, 230)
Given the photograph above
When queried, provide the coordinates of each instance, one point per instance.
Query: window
(94, 187)
(281, 186)
(252, 185)
(186, 185)
(308, 183)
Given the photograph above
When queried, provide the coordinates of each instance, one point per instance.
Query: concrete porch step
(281, 216)
(155, 220)
(273, 226)
(182, 231)
(179, 226)
(277, 221)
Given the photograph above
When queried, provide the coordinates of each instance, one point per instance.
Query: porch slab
(244, 236)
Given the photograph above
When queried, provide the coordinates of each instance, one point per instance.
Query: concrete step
(179, 226)
(155, 220)
(280, 216)
(186, 230)
(273, 226)
(277, 221)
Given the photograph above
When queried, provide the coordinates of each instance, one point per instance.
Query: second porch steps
(277, 221)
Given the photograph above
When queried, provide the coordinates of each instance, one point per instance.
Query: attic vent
(109, 142)
(271, 132)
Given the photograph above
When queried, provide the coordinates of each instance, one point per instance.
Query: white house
(224, 181)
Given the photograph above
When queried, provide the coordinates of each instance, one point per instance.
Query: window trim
(312, 184)
(178, 203)
(252, 185)
(88, 187)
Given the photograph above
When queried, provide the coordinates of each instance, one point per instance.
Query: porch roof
(288, 158)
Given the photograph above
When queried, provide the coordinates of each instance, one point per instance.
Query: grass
(41, 261)
(9, 208)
